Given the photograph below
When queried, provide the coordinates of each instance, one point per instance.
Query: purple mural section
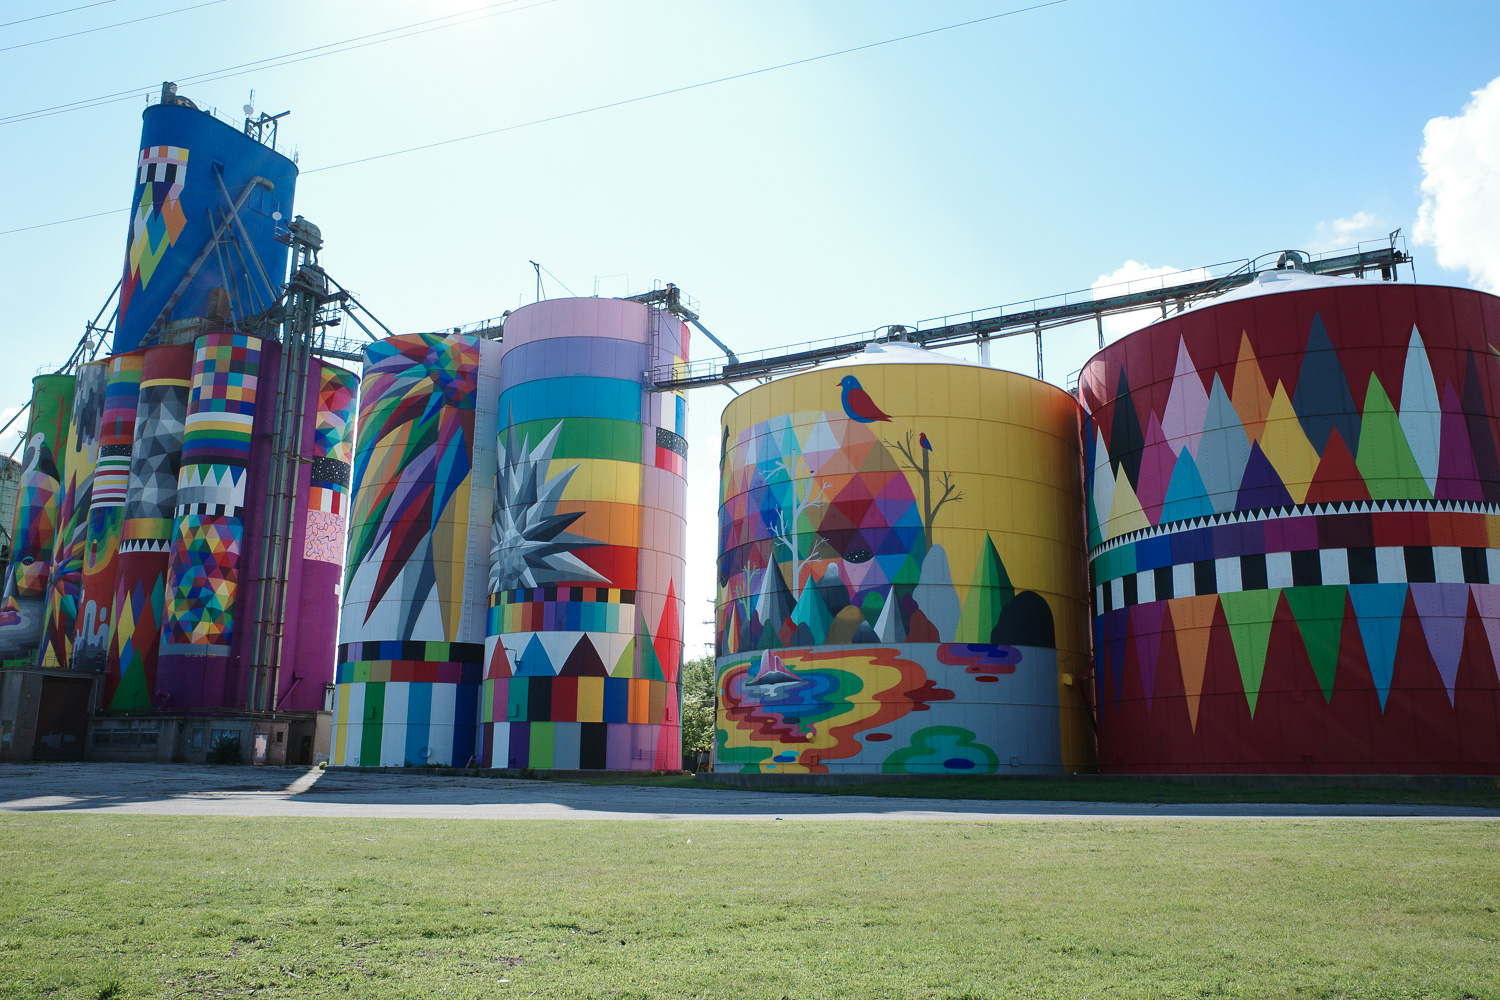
(218, 531)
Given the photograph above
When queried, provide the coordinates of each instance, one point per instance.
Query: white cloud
(1460, 212)
(1133, 276)
(1341, 233)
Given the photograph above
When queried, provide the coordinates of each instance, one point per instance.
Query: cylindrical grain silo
(208, 560)
(34, 528)
(1294, 520)
(146, 528)
(584, 635)
(101, 547)
(310, 637)
(79, 459)
(411, 636)
(193, 169)
(901, 572)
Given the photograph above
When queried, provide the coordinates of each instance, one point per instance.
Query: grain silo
(901, 572)
(1294, 514)
(34, 524)
(584, 634)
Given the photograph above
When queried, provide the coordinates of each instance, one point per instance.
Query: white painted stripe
(1390, 564)
(1448, 561)
(1145, 587)
(1335, 565)
(1227, 574)
(442, 721)
(1278, 569)
(393, 734)
(355, 730)
(1182, 580)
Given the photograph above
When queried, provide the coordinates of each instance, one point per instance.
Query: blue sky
(1020, 157)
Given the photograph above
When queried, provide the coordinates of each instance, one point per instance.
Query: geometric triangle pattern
(1345, 604)
(205, 580)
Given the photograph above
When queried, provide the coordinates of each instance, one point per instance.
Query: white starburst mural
(529, 543)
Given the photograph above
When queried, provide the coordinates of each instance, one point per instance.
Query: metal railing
(1033, 316)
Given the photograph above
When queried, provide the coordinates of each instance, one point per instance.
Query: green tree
(699, 686)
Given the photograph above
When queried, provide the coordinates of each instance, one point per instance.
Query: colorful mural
(310, 644)
(332, 457)
(158, 218)
(207, 547)
(1294, 522)
(34, 529)
(65, 582)
(190, 169)
(146, 530)
(515, 547)
(584, 627)
(106, 513)
(411, 637)
(901, 572)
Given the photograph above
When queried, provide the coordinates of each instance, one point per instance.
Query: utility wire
(602, 107)
(680, 90)
(106, 27)
(559, 281)
(70, 10)
(270, 62)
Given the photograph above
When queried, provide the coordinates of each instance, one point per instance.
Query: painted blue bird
(858, 404)
(922, 440)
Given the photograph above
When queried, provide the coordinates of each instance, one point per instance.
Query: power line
(682, 89)
(271, 62)
(39, 17)
(604, 107)
(106, 27)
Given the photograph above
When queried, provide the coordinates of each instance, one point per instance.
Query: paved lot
(185, 790)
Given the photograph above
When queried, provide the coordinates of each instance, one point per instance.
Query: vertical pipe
(292, 460)
(255, 681)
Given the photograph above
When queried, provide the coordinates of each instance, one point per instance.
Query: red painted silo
(1294, 532)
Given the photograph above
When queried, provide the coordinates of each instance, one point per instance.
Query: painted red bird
(922, 440)
(858, 404)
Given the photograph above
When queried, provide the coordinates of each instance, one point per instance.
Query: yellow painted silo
(901, 572)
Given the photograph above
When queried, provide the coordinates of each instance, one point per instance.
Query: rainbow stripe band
(578, 699)
(568, 609)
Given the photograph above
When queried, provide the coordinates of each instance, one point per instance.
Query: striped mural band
(96, 617)
(204, 573)
(146, 532)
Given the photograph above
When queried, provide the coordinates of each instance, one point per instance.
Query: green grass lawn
(114, 907)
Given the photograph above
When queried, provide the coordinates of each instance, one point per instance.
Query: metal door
(62, 717)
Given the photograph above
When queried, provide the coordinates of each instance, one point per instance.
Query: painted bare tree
(922, 467)
(803, 500)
